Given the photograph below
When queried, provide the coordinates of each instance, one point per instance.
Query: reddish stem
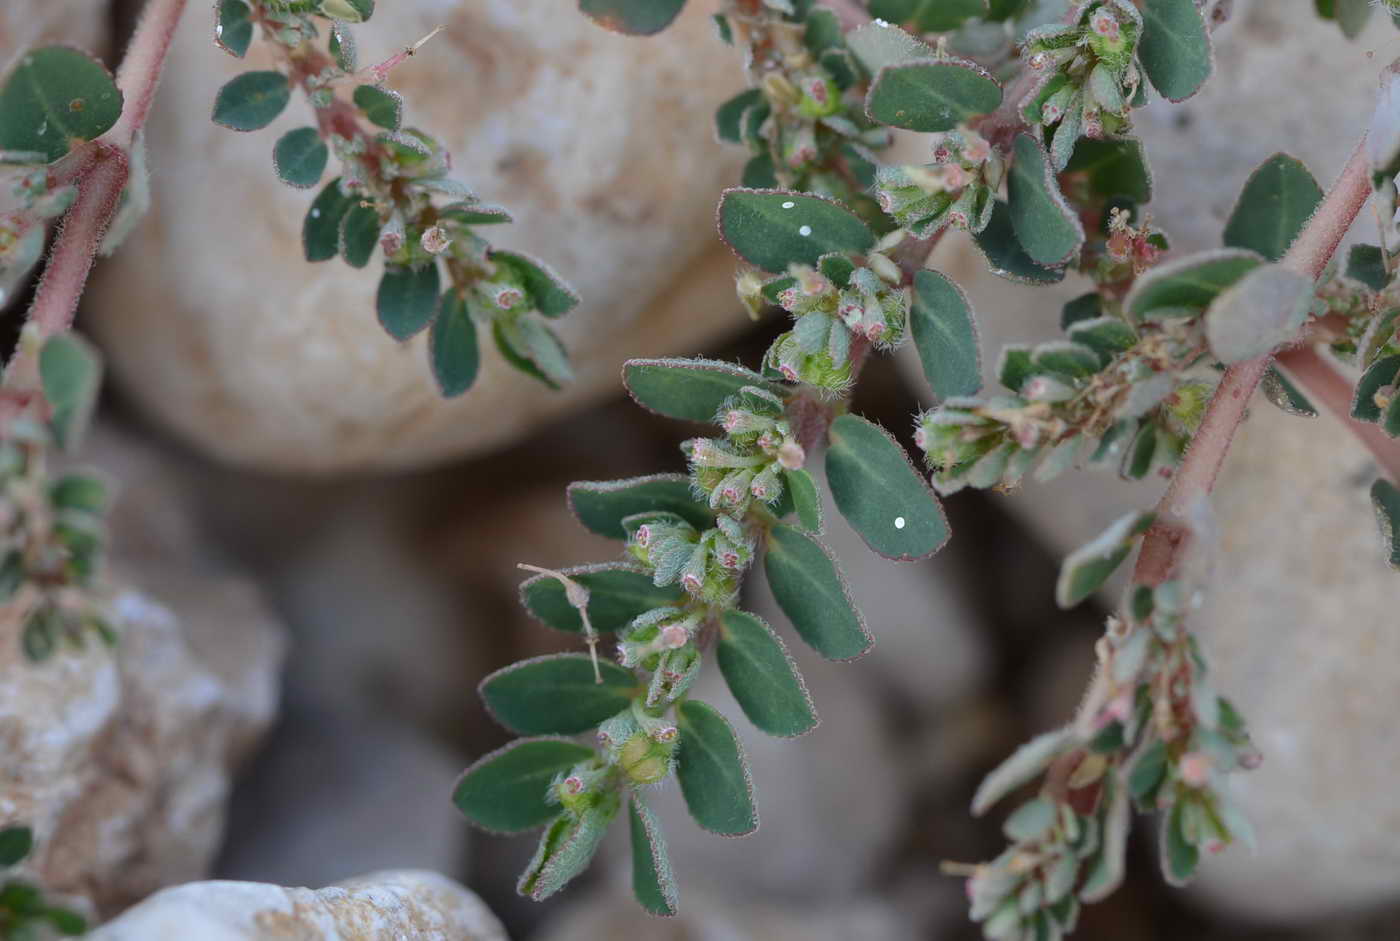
(1334, 391)
(1309, 254)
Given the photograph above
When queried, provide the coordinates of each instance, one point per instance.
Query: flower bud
(643, 760)
(435, 240)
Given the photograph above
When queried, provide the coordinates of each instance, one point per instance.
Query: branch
(1308, 255)
(1333, 390)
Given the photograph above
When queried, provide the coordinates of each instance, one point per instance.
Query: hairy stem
(1328, 386)
(1309, 254)
(100, 184)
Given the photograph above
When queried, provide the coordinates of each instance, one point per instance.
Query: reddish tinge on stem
(1309, 254)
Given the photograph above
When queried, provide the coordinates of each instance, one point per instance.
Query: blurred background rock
(234, 364)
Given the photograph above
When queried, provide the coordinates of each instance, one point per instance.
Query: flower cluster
(1151, 733)
(958, 189)
(1090, 77)
(1110, 395)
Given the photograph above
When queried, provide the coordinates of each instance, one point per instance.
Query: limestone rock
(82, 23)
(601, 146)
(120, 758)
(405, 905)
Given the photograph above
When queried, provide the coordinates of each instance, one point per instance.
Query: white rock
(23, 23)
(600, 144)
(404, 905)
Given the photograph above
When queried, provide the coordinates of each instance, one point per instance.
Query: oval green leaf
(382, 107)
(617, 593)
(1175, 49)
(1086, 569)
(601, 505)
(632, 17)
(506, 791)
(70, 374)
(1257, 313)
(551, 294)
(653, 883)
(1114, 168)
(1047, 228)
(300, 157)
(801, 492)
(1386, 499)
(1005, 256)
(1189, 283)
(688, 389)
(931, 95)
(880, 494)
(713, 774)
(763, 677)
(233, 27)
(1276, 201)
(945, 334)
(52, 96)
(557, 694)
(452, 346)
(775, 228)
(407, 299)
(15, 844)
(252, 101)
(320, 230)
(729, 116)
(813, 595)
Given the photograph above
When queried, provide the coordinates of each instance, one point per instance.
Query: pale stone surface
(82, 23)
(120, 759)
(600, 144)
(403, 905)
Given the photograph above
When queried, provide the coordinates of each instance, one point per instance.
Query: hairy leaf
(617, 593)
(877, 45)
(775, 228)
(565, 850)
(1276, 201)
(1004, 254)
(1379, 374)
(1386, 499)
(762, 676)
(382, 107)
(359, 234)
(1281, 392)
(688, 389)
(1257, 313)
(506, 791)
(70, 373)
(633, 17)
(1189, 283)
(52, 96)
(1047, 228)
(300, 157)
(1021, 767)
(806, 503)
(813, 595)
(1366, 264)
(880, 494)
(551, 294)
(601, 505)
(452, 346)
(945, 334)
(407, 299)
(1114, 168)
(15, 844)
(653, 883)
(252, 101)
(320, 230)
(233, 27)
(729, 116)
(1086, 569)
(712, 771)
(931, 95)
(1175, 48)
(557, 694)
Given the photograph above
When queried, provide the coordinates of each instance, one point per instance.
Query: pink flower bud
(1038, 61)
(816, 90)
(673, 636)
(976, 149)
(1195, 769)
(921, 438)
(691, 583)
(729, 494)
(788, 372)
(955, 176)
(1215, 846)
(730, 559)
(643, 537)
(665, 734)
(391, 242)
(732, 420)
(1104, 23)
(1051, 112)
(435, 240)
(1027, 435)
(813, 283)
(573, 784)
(787, 298)
(791, 455)
(886, 204)
(506, 297)
(957, 218)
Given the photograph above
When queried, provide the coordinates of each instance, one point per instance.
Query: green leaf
(348, 11)
(1147, 773)
(1179, 856)
(823, 31)
(53, 95)
(813, 595)
(476, 214)
(1276, 201)
(452, 346)
(1366, 264)
(931, 95)
(1004, 254)
(341, 46)
(359, 233)
(802, 491)
(1257, 313)
(877, 45)
(945, 333)
(407, 299)
(1281, 392)
(633, 17)
(507, 790)
(381, 106)
(534, 349)
(1086, 569)
(1045, 225)
(70, 372)
(601, 505)
(653, 883)
(617, 593)
(81, 492)
(1352, 16)
(929, 16)
(551, 294)
(775, 228)
(712, 772)
(566, 849)
(729, 116)
(66, 922)
(880, 494)
(1114, 168)
(15, 844)
(1386, 499)
(320, 230)
(1175, 48)
(1020, 767)
(762, 676)
(252, 101)
(233, 27)
(1189, 283)
(758, 173)
(688, 389)
(300, 157)
(1379, 374)
(557, 694)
